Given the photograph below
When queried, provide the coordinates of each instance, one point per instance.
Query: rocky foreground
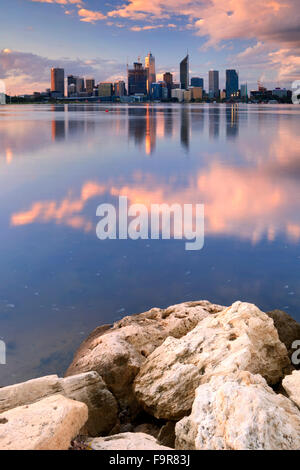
(192, 376)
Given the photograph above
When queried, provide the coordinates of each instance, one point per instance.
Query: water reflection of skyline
(245, 199)
(144, 126)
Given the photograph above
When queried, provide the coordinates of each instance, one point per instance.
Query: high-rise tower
(232, 83)
(213, 79)
(58, 80)
(137, 79)
(150, 67)
(184, 73)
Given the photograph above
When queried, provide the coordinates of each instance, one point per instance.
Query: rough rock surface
(166, 436)
(88, 388)
(240, 337)
(49, 424)
(291, 384)
(126, 441)
(117, 353)
(28, 392)
(239, 412)
(288, 329)
(148, 428)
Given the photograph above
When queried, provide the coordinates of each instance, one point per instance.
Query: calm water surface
(58, 163)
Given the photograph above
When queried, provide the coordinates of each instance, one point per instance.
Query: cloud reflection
(252, 194)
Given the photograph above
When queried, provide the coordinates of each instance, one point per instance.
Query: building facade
(168, 79)
(105, 89)
(137, 79)
(213, 83)
(120, 88)
(184, 73)
(58, 81)
(197, 82)
(156, 91)
(232, 83)
(89, 85)
(244, 91)
(151, 73)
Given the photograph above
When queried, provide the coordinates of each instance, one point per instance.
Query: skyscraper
(119, 88)
(105, 89)
(184, 73)
(198, 82)
(137, 79)
(79, 85)
(232, 83)
(244, 91)
(89, 85)
(58, 80)
(168, 79)
(150, 67)
(213, 79)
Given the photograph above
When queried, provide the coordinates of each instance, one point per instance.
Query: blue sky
(95, 38)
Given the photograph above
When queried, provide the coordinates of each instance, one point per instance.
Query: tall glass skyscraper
(232, 83)
(184, 73)
(58, 80)
(150, 67)
(213, 79)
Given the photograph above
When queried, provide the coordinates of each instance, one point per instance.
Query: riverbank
(193, 376)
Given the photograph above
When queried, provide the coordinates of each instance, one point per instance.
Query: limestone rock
(288, 329)
(28, 392)
(88, 388)
(49, 424)
(240, 337)
(291, 384)
(148, 428)
(117, 353)
(239, 412)
(166, 436)
(126, 441)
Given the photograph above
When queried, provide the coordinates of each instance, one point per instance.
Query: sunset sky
(261, 38)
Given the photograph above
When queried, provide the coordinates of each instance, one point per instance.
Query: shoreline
(146, 378)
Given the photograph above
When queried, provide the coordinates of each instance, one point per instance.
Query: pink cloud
(89, 16)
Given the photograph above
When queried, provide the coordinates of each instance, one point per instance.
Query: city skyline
(88, 39)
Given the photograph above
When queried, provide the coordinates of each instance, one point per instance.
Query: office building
(71, 90)
(58, 81)
(244, 91)
(213, 83)
(187, 95)
(137, 79)
(184, 73)
(119, 88)
(197, 93)
(105, 89)
(178, 94)
(168, 79)
(79, 85)
(156, 91)
(280, 92)
(197, 82)
(89, 85)
(151, 74)
(232, 83)
(223, 95)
